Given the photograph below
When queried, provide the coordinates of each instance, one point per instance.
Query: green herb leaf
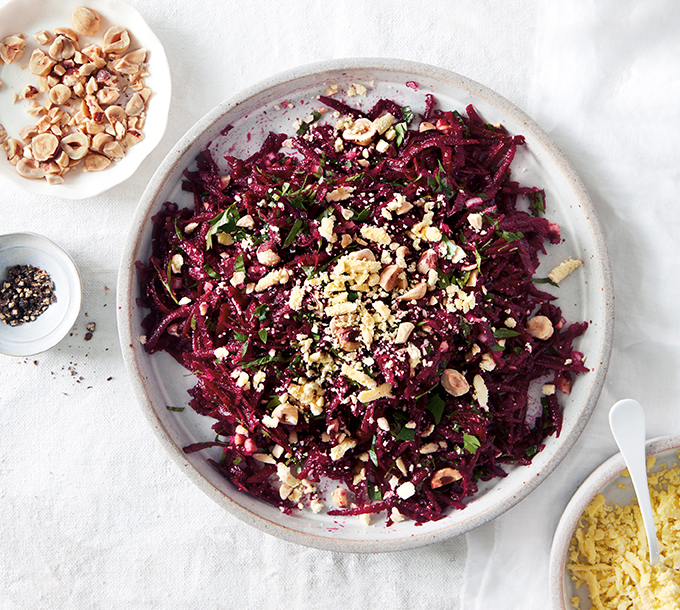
(400, 129)
(362, 214)
(406, 434)
(451, 248)
(211, 272)
(262, 311)
(177, 231)
(537, 201)
(275, 401)
(237, 460)
(440, 182)
(225, 222)
(510, 236)
(239, 265)
(262, 333)
(244, 351)
(407, 114)
(304, 125)
(496, 348)
(445, 279)
(293, 233)
(326, 213)
(478, 260)
(262, 361)
(435, 405)
(544, 280)
(240, 336)
(371, 452)
(177, 409)
(168, 283)
(471, 443)
(505, 333)
(374, 492)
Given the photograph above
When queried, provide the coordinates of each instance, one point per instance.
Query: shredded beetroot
(275, 290)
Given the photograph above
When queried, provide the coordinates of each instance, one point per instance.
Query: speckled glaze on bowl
(608, 480)
(274, 105)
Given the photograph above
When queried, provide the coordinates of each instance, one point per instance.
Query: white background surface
(93, 514)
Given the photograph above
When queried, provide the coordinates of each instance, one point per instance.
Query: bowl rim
(142, 215)
(75, 294)
(604, 474)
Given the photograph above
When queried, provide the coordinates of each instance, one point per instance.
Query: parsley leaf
(262, 311)
(262, 333)
(240, 336)
(239, 265)
(406, 434)
(211, 272)
(505, 333)
(225, 222)
(439, 183)
(305, 124)
(435, 405)
(451, 248)
(537, 201)
(262, 361)
(471, 443)
(509, 236)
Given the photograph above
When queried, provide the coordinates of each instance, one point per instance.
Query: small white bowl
(31, 16)
(608, 480)
(50, 327)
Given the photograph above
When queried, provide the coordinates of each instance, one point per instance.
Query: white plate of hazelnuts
(84, 95)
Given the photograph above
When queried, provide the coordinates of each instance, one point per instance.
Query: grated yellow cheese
(609, 553)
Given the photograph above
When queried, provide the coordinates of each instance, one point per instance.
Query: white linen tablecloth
(92, 512)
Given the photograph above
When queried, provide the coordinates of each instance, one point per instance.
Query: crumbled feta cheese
(376, 234)
(296, 296)
(326, 229)
(278, 276)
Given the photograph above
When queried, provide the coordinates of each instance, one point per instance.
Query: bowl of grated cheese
(600, 558)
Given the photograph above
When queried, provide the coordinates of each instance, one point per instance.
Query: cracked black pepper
(25, 294)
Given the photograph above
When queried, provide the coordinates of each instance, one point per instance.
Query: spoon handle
(627, 422)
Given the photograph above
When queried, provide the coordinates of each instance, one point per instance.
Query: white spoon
(627, 422)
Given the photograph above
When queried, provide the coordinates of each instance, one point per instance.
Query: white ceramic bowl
(50, 327)
(609, 481)
(274, 105)
(31, 16)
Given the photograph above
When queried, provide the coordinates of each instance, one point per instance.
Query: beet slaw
(358, 303)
